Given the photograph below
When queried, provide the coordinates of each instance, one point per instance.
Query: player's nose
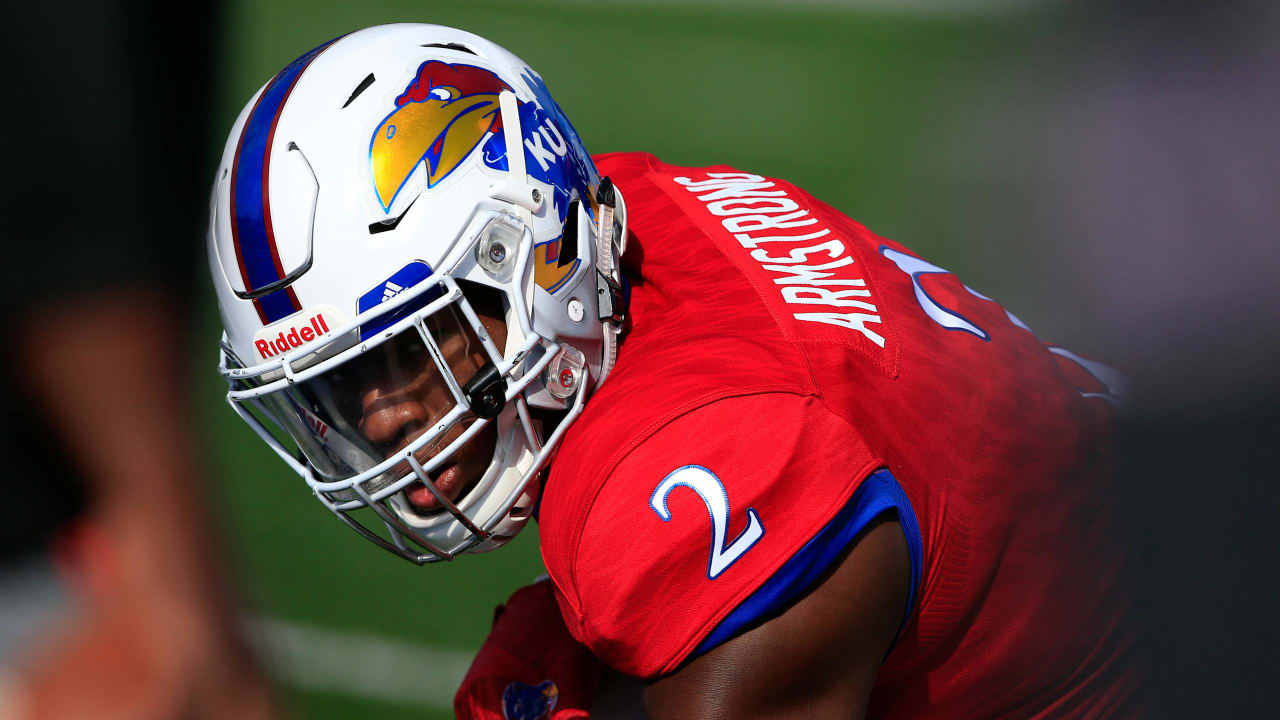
(386, 419)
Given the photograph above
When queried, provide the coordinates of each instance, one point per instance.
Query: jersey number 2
(711, 490)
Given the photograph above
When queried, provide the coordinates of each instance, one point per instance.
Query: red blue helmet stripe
(251, 230)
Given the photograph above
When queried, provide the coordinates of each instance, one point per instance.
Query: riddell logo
(296, 331)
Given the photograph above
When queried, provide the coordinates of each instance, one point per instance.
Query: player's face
(397, 407)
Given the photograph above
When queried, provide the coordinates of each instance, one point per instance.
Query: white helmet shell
(367, 188)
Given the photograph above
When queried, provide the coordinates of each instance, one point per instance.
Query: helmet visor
(383, 400)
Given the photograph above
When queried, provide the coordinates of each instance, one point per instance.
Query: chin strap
(611, 242)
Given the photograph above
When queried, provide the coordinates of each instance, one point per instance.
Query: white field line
(368, 666)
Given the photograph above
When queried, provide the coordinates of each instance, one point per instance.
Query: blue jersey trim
(880, 493)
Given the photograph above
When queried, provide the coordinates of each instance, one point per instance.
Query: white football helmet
(372, 238)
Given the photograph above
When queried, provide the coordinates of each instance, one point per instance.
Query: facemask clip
(486, 392)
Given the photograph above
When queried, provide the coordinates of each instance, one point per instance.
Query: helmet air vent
(364, 85)
(382, 226)
(452, 46)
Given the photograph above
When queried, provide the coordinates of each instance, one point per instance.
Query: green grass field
(873, 112)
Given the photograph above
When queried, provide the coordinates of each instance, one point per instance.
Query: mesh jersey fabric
(777, 344)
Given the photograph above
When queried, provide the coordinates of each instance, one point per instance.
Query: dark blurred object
(1164, 161)
(106, 128)
(106, 114)
(1156, 174)
(107, 123)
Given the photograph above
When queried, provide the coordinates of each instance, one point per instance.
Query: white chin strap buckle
(612, 304)
(609, 296)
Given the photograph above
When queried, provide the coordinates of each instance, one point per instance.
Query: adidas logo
(390, 290)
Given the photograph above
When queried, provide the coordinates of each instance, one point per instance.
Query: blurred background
(1106, 170)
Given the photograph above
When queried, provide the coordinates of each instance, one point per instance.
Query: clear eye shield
(368, 409)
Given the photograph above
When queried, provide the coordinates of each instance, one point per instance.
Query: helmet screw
(537, 195)
(576, 310)
(497, 252)
(566, 378)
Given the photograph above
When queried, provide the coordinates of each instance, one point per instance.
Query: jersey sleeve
(529, 666)
(715, 522)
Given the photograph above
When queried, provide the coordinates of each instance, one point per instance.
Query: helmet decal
(403, 279)
(549, 272)
(580, 171)
(252, 233)
(443, 114)
(447, 110)
(554, 155)
(529, 702)
(296, 330)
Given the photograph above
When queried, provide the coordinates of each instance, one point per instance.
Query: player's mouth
(447, 479)
(454, 478)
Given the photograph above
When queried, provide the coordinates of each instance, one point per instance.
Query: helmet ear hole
(569, 240)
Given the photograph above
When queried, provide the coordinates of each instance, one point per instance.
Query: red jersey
(788, 377)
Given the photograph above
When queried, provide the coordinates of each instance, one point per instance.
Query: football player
(782, 467)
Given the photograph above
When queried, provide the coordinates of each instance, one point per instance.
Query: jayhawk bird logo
(529, 702)
(450, 110)
(442, 116)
